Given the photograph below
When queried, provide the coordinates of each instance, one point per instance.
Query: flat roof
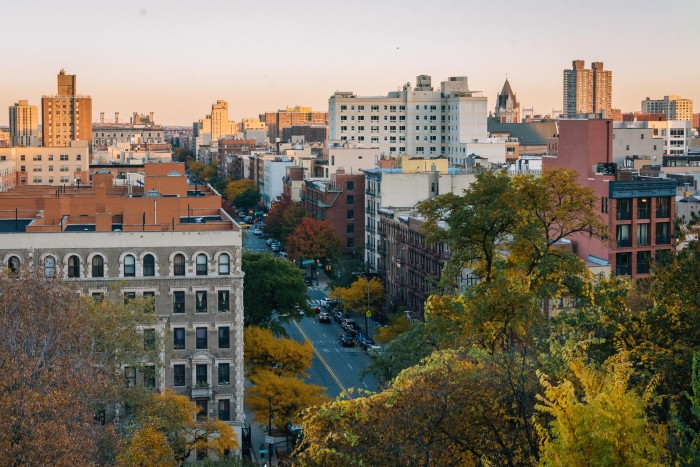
(12, 225)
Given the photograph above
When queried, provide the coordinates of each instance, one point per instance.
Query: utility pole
(367, 311)
(269, 431)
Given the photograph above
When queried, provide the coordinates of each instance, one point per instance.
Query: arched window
(49, 266)
(129, 266)
(202, 265)
(179, 265)
(149, 266)
(224, 264)
(13, 264)
(73, 266)
(98, 266)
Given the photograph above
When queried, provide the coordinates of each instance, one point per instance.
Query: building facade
(158, 242)
(66, 116)
(415, 121)
(587, 91)
(674, 107)
(24, 124)
(49, 165)
(277, 121)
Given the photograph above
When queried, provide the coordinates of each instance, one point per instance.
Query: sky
(176, 58)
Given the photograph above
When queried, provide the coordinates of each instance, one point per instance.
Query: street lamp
(367, 312)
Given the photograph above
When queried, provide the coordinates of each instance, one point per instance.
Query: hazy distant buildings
(673, 107)
(24, 124)
(66, 116)
(209, 130)
(507, 106)
(416, 121)
(277, 121)
(139, 130)
(587, 91)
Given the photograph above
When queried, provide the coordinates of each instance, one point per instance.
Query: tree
(313, 239)
(283, 357)
(60, 356)
(172, 419)
(283, 218)
(236, 187)
(454, 408)
(249, 199)
(605, 420)
(271, 285)
(288, 395)
(355, 297)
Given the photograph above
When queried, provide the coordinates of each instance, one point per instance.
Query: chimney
(102, 117)
(151, 117)
(116, 117)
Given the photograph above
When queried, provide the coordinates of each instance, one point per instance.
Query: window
(149, 339)
(663, 233)
(350, 228)
(624, 209)
(179, 302)
(49, 266)
(622, 264)
(224, 264)
(224, 337)
(178, 375)
(623, 236)
(643, 235)
(129, 266)
(201, 375)
(149, 266)
(350, 185)
(643, 208)
(130, 376)
(13, 264)
(351, 214)
(643, 260)
(201, 305)
(223, 301)
(224, 410)
(98, 266)
(128, 296)
(179, 265)
(224, 371)
(663, 206)
(149, 377)
(98, 296)
(350, 199)
(73, 266)
(350, 242)
(202, 265)
(201, 335)
(178, 338)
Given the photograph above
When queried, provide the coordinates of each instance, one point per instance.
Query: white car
(257, 231)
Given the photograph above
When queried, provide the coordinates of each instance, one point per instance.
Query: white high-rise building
(419, 121)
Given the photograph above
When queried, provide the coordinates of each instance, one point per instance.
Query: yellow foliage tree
(174, 418)
(355, 297)
(265, 352)
(237, 187)
(288, 395)
(599, 418)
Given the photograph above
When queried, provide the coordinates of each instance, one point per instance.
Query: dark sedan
(324, 317)
(347, 341)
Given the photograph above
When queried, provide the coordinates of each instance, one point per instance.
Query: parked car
(275, 247)
(375, 350)
(361, 337)
(328, 303)
(257, 231)
(347, 341)
(324, 317)
(347, 323)
(337, 314)
(243, 225)
(366, 343)
(270, 241)
(353, 329)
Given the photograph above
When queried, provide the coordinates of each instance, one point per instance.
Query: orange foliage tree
(313, 239)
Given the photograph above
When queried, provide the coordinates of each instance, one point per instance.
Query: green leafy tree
(249, 199)
(313, 239)
(271, 285)
(283, 218)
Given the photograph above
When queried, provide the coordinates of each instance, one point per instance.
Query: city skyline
(167, 59)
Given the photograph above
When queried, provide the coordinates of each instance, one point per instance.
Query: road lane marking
(323, 361)
(350, 366)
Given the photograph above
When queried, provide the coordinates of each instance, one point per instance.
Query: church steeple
(507, 106)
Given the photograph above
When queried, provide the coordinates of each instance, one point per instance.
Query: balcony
(201, 391)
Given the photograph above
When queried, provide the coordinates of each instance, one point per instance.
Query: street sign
(306, 262)
(368, 314)
(269, 440)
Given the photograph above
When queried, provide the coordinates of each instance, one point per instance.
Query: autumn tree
(355, 297)
(61, 355)
(265, 352)
(273, 287)
(598, 417)
(249, 199)
(166, 428)
(283, 218)
(313, 238)
(236, 187)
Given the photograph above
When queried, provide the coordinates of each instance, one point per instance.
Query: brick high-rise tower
(587, 91)
(66, 116)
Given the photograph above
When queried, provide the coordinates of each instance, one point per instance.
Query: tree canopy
(271, 285)
(283, 218)
(312, 238)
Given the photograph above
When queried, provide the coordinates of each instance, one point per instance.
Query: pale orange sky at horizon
(176, 59)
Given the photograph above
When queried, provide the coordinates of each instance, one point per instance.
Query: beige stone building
(24, 124)
(49, 165)
(66, 116)
(674, 107)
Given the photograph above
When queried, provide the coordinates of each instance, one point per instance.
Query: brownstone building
(341, 202)
(229, 149)
(66, 116)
